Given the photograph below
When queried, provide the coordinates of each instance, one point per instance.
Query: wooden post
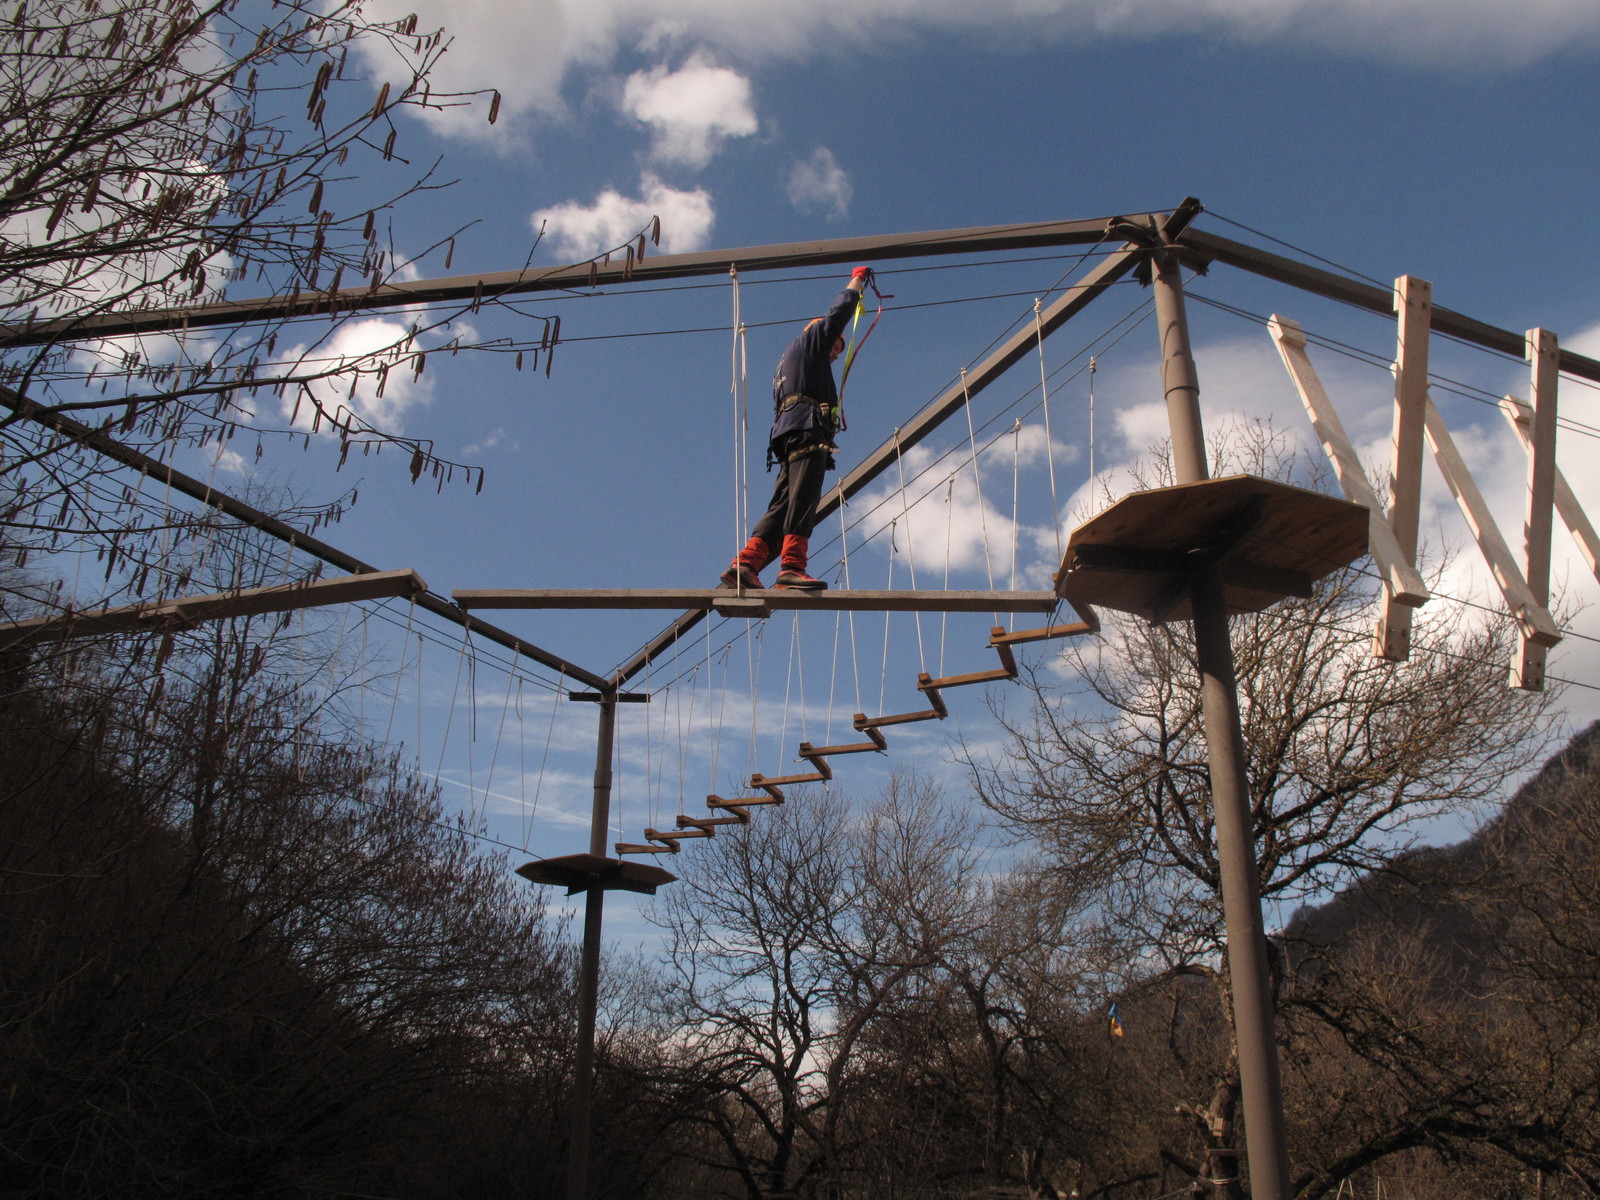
(1249, 980)
(1528, 665)
(1413, 305)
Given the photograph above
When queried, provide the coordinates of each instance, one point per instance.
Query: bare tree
(158, 156)
(789, 940)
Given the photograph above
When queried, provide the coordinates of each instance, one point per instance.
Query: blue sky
(1442, 138)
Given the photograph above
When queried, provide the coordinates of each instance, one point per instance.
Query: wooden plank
(852, 600)
(1530, 615)
(1518, 413)
(1401, 579)
(185, 612)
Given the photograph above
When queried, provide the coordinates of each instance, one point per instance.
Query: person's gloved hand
(860, 277)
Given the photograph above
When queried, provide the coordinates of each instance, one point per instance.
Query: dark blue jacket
(805, 370)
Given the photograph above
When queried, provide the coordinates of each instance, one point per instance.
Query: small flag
(1116, 1021)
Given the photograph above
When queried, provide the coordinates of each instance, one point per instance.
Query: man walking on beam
(806, 418)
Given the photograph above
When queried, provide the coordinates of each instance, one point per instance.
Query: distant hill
(1446, 893)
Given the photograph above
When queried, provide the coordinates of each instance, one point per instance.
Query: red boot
(746, 569)
(793, 572)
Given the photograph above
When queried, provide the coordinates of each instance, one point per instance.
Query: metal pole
(1253, 1020)
(589, 968)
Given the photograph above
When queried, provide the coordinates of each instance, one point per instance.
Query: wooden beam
(1208, 247)
(188, 485)
(185, 612)
(706, 599)
(1535, 622)
(1402, 583)
(465, 289)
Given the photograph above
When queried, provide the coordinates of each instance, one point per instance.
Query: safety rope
(1049, 439)
(741, 417)
(855, 345)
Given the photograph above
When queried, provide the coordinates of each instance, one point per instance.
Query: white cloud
(578, 231)
(370, 340)
(819, 183)
(692, 110)
(526, 50)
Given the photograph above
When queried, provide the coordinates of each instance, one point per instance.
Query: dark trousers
(793, 511)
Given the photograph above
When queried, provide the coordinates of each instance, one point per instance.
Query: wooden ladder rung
(867, 724)
(635, 848)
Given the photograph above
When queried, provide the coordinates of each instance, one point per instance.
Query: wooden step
(685, 821)
(766, 781)
(866, 723)
(741, 801)
(635, 848)
(1019, 636)
(676, 834)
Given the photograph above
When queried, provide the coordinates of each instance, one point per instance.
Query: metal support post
(589, 967)
(1241, 900)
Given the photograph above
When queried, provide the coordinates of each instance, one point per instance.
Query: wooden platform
(755, 603)
(1270, 539)
(580, 872)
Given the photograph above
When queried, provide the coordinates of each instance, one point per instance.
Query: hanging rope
(883, 678)
(494, 756)
(1016, 475)
(911, 549)
(855, 657)
(977, 478)
(949, 527)
(756, 654)
(1093, 367)
(405, 639)
(1049, 439)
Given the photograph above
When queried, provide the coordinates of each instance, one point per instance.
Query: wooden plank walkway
(736, 602)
